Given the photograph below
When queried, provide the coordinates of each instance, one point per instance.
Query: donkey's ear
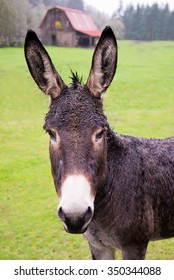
(104, 63)
(41, 66)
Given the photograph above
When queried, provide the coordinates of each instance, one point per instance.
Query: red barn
(68, 27)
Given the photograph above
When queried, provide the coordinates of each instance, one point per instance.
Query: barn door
(53, 40)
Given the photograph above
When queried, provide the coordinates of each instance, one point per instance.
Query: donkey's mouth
(76, 229)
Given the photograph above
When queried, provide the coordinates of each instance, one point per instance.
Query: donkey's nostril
(88, 215)
(61, 214)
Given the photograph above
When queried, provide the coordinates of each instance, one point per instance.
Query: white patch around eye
(96, 142)
(55, 141)
(76, 195)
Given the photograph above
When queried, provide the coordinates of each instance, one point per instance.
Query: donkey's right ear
(41, 66)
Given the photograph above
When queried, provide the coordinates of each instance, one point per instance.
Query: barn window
(58, 24)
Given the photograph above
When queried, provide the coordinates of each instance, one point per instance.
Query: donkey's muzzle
(74, 223)
(76, 205)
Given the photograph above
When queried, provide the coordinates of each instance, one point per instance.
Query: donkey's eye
(52, 135)
(99, 135)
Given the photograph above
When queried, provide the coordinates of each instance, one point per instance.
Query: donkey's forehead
(77, 104)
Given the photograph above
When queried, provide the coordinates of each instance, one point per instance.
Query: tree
(36, 13)
(128, 21)
(170, 26)
(16, 17)
(13, 20)
(137, 23)
(119, 12)
(6, 15)
(100, 19)
(118, 27)
(165, 23)
(148, 23)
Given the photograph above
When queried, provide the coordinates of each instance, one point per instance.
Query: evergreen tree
(171, 27)
(128, 22)
(164, 24)
(137, 23)
(148, 23)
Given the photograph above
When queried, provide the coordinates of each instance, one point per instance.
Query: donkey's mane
(76, 79)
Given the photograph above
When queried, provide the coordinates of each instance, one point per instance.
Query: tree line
(132, 23)
(148, 23)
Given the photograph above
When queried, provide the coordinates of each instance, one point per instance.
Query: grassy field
(139, 102)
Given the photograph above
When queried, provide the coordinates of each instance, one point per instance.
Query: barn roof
(79, 20)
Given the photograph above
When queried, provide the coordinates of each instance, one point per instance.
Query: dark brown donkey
(117, 190)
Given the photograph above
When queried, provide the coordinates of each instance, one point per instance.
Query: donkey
(117, 190)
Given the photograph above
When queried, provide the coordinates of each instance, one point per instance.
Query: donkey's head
(77, 127)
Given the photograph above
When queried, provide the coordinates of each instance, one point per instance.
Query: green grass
(140, 102)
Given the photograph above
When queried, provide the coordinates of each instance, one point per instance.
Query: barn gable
(68, 27)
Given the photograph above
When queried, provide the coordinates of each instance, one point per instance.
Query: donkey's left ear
(41, 66)
(104, 63)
